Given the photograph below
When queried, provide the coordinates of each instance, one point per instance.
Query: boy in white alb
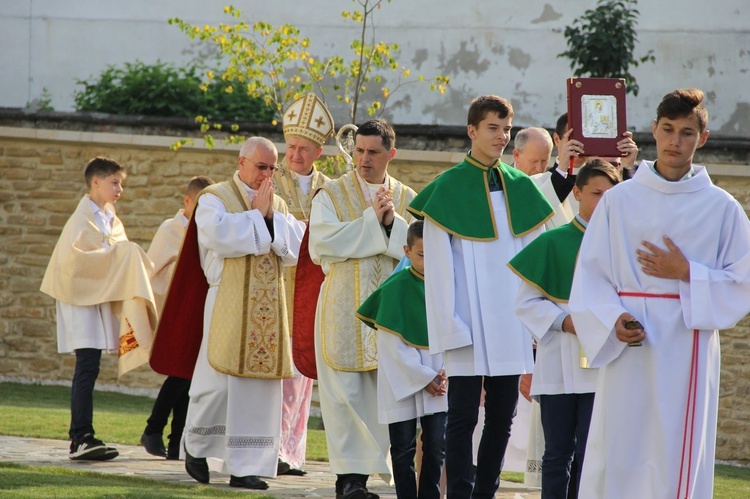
(173, 395)
(411, 382)
(563, 387)
(672, 251)
(98, 277)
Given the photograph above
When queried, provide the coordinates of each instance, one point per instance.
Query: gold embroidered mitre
(308, 117)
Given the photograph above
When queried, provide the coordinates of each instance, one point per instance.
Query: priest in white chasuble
(244, 237)
(307, 125)
(478, 215)
(358, 226)
(671, 251)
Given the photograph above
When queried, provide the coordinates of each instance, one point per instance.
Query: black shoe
(110, 453)
(87, 448)
(197, 467)
(154, 445)
(294, 472)
(247, 482)
(282, 467)
(354, 490)
(173, 455)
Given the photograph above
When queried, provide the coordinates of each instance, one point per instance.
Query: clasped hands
(438, 387)
(383, 206)
(263, 200)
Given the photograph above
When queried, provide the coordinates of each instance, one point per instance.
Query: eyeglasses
(261, 166)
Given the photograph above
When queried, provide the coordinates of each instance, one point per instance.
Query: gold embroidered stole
(286, 185)
(248, 335)
(348, 344)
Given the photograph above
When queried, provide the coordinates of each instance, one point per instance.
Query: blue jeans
(82, 392)
(403, 448)
(565, 421)
(501, 397)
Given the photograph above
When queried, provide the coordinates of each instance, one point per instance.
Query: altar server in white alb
(672, 251)
(478, 215)
(562, 384)
(245, 236)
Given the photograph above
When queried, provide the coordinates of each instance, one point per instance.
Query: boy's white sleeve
(537, 313)
(402, 366)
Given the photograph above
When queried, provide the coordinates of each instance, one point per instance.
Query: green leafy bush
(601, 42)
(161, 89)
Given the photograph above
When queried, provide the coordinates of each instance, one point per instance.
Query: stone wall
(41, 182)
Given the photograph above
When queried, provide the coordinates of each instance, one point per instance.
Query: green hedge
(161, 89)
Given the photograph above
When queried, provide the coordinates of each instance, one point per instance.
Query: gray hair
(248, 148)
(530, 133)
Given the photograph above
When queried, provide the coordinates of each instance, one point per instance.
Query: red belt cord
(690, 407)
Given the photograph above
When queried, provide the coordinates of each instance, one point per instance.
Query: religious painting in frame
(596, 113)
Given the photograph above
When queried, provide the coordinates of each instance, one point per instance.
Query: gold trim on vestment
(349, 283)
(380, 327)
(535, 285)
(248, 333)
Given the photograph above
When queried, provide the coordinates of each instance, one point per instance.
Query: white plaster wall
(485, 46)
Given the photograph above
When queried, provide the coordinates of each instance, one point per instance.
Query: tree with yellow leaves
(277, 65)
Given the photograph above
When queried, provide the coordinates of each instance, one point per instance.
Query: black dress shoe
(354, 490)
(282, 467)
(197, 467)
(154, 445)
(247, 482)
(294, 472)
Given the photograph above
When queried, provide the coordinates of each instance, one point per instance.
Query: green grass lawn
(44, 412)
(47, 481)
(118, 418)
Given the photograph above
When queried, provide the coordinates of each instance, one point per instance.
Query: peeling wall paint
(503, 48)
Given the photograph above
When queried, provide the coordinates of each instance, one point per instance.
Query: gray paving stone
(134, 461)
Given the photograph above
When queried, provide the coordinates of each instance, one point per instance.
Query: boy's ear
(576, 193)
(703, 139)
(471, 131)
(407, 251)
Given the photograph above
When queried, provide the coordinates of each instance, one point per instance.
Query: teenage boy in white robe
(562, 385)
(672, 251)
(478, 215)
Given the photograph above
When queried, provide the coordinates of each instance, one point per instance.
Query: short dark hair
(101, 167)
(379, 128)
(683, 103)
(197, 184)
(414, 232)
(485, 104)
(562, 123)
(597, 167)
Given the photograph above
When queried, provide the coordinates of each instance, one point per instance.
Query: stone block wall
(41, 181)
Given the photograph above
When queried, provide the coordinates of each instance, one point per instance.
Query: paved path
(319, 482)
